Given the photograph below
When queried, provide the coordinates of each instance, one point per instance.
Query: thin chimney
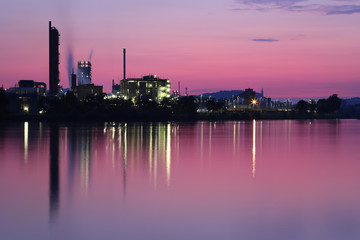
(124, 63)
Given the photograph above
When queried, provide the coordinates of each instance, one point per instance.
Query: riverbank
(144, 116)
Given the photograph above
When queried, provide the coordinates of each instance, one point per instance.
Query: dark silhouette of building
(25, 97)
(243, 100)
(82, 91)
(248, 95)
(73, 80)
(115, 88)
(53, 60)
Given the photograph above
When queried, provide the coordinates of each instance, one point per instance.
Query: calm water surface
(205, 180)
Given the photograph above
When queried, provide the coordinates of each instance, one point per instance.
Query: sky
(290, 48)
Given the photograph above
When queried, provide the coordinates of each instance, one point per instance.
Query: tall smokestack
(124, 63)
(53, 60)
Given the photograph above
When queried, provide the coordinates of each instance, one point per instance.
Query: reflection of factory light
(254, 148)
(168, 153)
(26, 140)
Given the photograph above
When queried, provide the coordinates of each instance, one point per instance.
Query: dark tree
(93, 102)
(334, 103)
(167, 105)
(302, 106)
(215, 106)
(211, 104)
(147, 105)
(3, 100)
(186, 105)
(329, 105)
(52, 104)
(118, 105)
(70, 100)
(221, 104)
(312, 106)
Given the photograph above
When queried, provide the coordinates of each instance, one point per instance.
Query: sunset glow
(306, 48)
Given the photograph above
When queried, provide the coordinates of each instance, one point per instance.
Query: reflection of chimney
(124, 63)
(54, 171)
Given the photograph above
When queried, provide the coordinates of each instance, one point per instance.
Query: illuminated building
(84, 72)
(151, 87)
(53, 60)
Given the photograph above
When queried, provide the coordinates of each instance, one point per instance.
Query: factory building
(82, 91)
(151, 87)
(84, 72)
(25, 97)
(115, 90)
(53, 60)
(243, 100)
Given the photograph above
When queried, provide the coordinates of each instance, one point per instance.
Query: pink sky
(307, 48)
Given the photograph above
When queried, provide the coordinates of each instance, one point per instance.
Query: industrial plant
(147, 93)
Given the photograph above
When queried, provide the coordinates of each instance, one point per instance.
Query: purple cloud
(344, 9)
(301, 6)
(264, 40)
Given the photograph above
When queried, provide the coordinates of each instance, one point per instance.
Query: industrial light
(254, 101)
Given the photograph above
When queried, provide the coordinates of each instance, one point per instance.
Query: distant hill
(224, 94)
(352, 101)
(221, 94)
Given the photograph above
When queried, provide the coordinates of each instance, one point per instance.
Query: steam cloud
(70, 64)
(90, 56)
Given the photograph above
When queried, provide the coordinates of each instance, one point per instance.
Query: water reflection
(125, 150)
(26, 141)
(168, 154)
(54, 171)
(85, 156)
(137, 142)
(115, 178)
(254, 149)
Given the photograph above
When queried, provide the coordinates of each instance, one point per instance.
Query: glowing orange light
(254, 101)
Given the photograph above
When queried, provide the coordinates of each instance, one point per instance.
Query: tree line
(323, 106)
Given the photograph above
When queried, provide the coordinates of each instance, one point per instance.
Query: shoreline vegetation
(98, 108)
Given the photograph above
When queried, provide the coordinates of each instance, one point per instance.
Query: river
(286, 179)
